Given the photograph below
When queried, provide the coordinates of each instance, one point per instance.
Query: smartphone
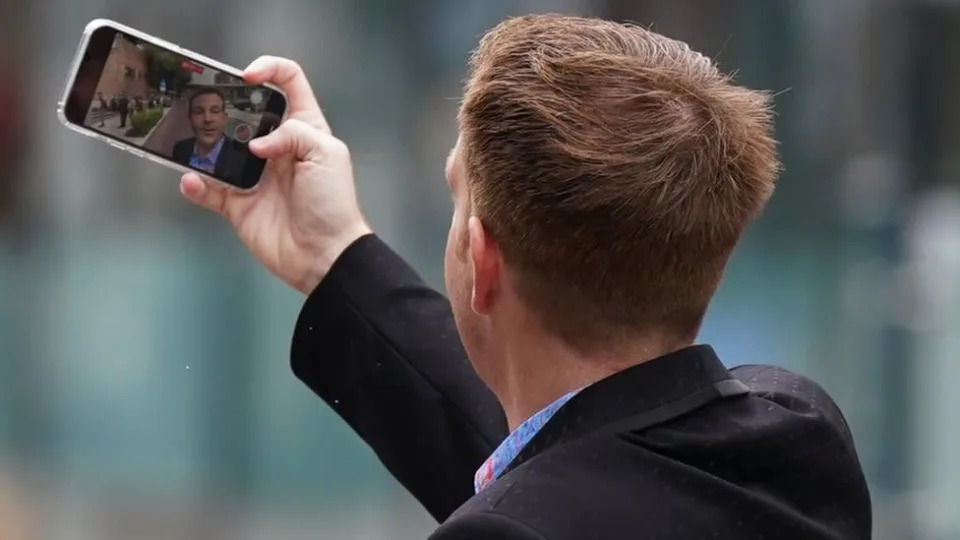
(178, 108)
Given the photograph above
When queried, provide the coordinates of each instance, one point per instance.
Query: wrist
(324, 261)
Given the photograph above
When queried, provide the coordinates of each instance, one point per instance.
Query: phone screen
(172, 106)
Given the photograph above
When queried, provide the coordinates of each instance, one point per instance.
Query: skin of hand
(305, 211)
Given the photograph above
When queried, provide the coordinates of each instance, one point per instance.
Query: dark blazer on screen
(676, 448)
(230, 163)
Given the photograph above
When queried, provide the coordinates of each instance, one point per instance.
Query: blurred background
(144, 382)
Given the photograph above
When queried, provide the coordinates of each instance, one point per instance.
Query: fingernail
(190, 189)
(253, 68)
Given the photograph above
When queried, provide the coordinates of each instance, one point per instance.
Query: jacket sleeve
(381, 348)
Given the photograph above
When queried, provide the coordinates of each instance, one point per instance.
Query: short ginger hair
(615, 168)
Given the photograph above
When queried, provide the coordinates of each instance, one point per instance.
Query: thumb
(294, 137)
(204, 194)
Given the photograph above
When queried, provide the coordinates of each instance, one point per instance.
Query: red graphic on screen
(191, 66)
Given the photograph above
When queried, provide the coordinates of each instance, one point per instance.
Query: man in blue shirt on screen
(210, 150)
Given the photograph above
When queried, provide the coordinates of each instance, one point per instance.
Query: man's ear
(487, 262)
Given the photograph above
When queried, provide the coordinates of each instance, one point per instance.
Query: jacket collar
(655, 386)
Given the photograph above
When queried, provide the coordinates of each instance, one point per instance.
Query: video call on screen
(176, 108)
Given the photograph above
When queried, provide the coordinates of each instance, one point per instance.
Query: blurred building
(125, 70)
(234, 89)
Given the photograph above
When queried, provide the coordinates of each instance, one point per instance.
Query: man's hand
(305, 212)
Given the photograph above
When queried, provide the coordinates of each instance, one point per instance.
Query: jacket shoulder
(183, 145)
(793, 391)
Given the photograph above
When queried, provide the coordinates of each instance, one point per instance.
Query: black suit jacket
(675, 448)
(230, 163)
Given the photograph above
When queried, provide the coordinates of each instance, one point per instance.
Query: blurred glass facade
(144, 381)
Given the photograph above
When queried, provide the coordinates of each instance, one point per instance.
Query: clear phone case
(126, 147)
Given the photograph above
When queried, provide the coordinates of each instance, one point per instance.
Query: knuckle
(305, 137)
(284, 128)
(291, 67)
(262, 61)
(297, 123)
(296, 127)
(338, 148)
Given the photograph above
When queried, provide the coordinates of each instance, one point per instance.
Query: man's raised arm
(380, 347)
(375, 342)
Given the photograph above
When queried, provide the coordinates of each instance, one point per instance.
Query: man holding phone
(601, 179)
(210, 150)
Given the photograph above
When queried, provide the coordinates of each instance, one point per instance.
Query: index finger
(289, 77)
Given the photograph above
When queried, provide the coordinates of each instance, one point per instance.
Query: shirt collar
(214, 152)
(633, 391)
(508, 450)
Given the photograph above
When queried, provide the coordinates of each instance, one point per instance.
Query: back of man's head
(616, 169)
